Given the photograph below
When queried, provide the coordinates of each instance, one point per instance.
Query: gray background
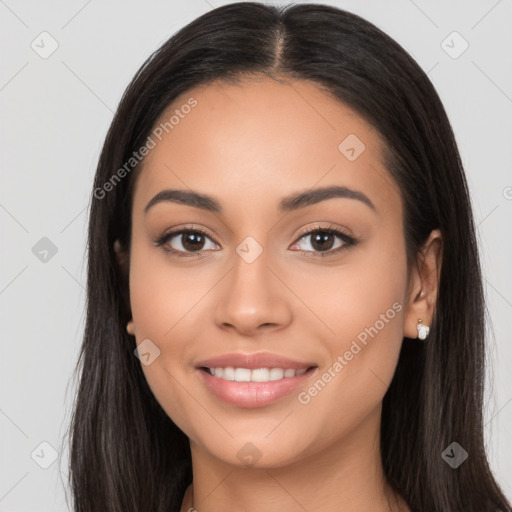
(55, 112)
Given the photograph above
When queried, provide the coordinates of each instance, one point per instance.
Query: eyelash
(347, 240)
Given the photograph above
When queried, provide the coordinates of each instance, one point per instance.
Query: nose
(252, 300)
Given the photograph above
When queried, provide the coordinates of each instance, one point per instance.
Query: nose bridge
(252, 296)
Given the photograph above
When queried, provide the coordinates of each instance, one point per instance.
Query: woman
(285, 307)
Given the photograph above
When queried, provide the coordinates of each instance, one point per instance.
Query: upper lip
(253, 361)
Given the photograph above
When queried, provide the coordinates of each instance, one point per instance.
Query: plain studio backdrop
(64, 68)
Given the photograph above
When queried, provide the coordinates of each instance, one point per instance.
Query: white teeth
(256, 375)
(242, 375)
(276, 373)
(260, 375)
(229, 373)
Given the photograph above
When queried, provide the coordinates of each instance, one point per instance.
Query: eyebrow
(287, 204)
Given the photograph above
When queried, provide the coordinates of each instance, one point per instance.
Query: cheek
(162, 294)
(165, 303)
(362, 298)
(362, 316)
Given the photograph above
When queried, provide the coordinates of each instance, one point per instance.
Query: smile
(255, 375)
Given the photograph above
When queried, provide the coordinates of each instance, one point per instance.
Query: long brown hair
(126, 454)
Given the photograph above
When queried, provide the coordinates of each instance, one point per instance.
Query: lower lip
(253, 394)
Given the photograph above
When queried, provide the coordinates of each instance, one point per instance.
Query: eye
(185, 242)
(192, 241)
(322, 241)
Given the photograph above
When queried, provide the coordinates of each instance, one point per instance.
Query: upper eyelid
(339, 231)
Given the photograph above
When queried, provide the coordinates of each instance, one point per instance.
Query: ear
(424, 285)
(123, 261)
(122, 257)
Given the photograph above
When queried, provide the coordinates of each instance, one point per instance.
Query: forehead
(259, 140)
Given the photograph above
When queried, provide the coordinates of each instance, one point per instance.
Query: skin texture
(249, 145)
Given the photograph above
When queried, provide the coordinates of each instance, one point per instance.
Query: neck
(345, 475)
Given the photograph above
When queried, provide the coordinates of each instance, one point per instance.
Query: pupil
(193, 241)
(319, 241)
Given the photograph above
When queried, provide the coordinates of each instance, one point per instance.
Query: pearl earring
(423, 330)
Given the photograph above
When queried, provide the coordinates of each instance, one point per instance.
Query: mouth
(253, 380)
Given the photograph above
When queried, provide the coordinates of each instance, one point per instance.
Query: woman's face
(277, 162)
